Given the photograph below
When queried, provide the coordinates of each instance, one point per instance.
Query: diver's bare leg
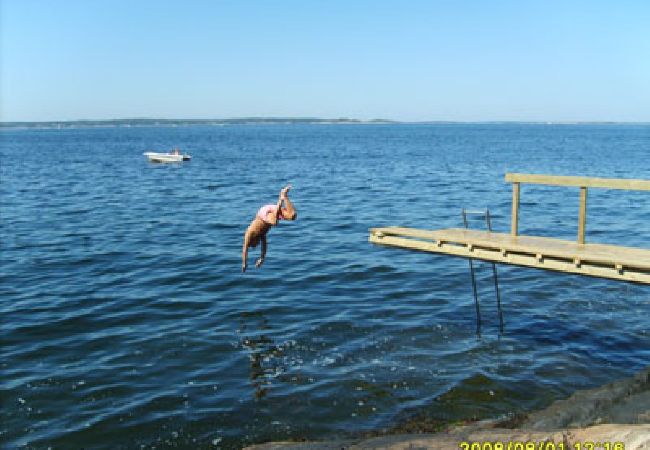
(288, 212)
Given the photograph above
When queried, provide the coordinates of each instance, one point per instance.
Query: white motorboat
(167, 157)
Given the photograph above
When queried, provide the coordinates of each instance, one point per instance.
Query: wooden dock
(591, 259)
(597, 260)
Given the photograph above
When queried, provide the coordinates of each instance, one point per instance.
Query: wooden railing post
(582, 217)
(515, 208)
(583, 183)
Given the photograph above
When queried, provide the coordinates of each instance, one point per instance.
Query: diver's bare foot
(285, 190)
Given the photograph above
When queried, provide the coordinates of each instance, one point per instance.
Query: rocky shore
(618, 412)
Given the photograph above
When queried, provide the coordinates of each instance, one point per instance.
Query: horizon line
(313, 119)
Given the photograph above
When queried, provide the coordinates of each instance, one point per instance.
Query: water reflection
(262, 352)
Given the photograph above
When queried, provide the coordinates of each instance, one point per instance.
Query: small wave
(224, 226)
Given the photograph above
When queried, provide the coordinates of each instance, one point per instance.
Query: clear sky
(471, 60)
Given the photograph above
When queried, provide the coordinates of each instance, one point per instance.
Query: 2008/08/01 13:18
(541, 445)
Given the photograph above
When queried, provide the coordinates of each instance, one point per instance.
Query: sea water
(126, 321)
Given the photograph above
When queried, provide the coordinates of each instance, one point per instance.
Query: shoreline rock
(613, 413)
(625, 401)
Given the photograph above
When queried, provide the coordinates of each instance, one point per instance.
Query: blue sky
(412, 60)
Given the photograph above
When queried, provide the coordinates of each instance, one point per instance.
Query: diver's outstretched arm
(260, 261)
(244, 252)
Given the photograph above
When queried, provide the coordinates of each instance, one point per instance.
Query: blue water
(126, 321)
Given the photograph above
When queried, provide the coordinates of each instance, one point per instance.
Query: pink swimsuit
(265, 210)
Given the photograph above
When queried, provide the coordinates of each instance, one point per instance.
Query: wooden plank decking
(598, 260)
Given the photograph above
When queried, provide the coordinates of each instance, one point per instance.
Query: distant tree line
(181, 122)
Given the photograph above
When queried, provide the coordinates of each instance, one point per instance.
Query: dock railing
(582, 182)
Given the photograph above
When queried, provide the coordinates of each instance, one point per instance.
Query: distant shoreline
(278, 121)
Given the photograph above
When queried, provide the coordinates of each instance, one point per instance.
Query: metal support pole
(471, 269)
(494, 272)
